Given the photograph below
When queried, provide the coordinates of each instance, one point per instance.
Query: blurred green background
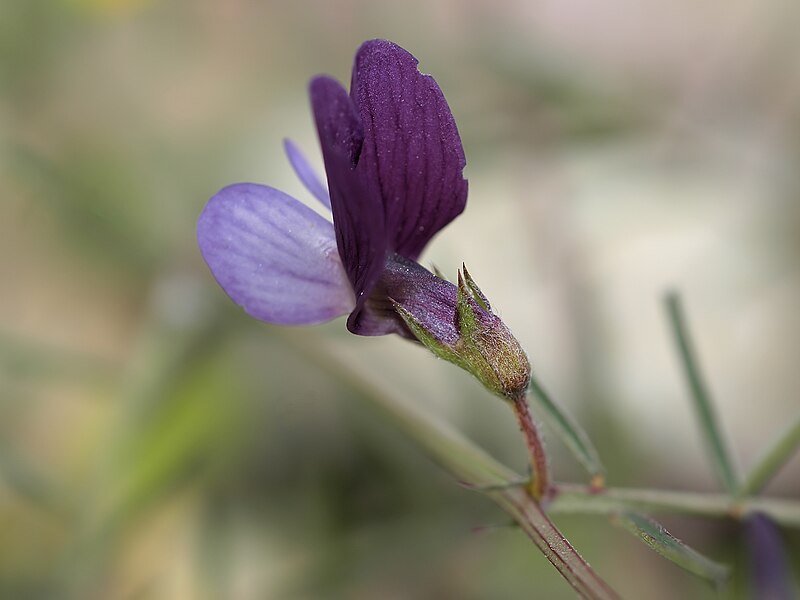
(156, 443)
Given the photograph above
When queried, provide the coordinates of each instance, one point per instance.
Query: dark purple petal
(305, 172)
(412, 156)
(430, 299)
(769, 568)
(358, 216)
(273, 255)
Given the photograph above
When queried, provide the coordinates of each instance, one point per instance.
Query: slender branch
(704, 407)
(573, 436)
(532, 519)
(572, 498)
(540, 480)
(772, 460)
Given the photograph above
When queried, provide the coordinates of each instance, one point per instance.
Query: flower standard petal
(305, 172)
(358, 215)
(273, 255)
(412, 157)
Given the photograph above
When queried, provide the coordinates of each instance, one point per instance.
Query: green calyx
(485, 347)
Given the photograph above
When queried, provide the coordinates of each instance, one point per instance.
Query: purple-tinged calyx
(457, 324)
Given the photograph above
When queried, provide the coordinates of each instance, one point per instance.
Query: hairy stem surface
(540, 478)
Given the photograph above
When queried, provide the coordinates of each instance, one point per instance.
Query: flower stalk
(539, 485)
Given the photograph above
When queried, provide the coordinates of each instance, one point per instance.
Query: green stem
(573, 436)
(572, 498)
(769, 464)
(532, 519)
(702, 399)
(540, 478)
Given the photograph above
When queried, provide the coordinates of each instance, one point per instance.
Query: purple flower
(394, 161)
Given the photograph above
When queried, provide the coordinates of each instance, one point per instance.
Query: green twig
(573, 436)
(582, 499)
(704, 408)
(532, 519)
(772, 460)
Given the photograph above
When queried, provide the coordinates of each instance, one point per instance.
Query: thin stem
(531, 517)
(704, 407)
(573, 436)
(582, 499)
(772, 460)
(540, 480)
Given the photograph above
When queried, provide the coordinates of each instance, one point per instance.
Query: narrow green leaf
(772, 460)
(704, 408)
(572, 434)
(662, 541)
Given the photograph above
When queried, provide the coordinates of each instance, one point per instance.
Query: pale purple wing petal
(358, 216)
(305, 172)
(273, 255)
(412, 155)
